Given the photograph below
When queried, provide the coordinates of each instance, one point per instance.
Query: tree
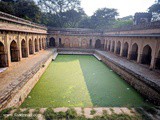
(85, 22)
(155, 8)
(8, 5)
(103, 18)
(27, 9)
(72, 18)
(59, 6)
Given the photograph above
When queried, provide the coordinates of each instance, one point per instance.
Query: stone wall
(16, 96)
(135, 81)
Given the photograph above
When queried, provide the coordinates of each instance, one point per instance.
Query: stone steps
(87, 112)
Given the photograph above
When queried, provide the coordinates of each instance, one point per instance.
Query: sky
(124, 7)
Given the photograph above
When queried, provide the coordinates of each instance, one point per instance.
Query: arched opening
(134, 53)
(98, 44)
(146, 55)
(52, 42)
(118, 49)
(36, 45)
(30, 47)
(23, 49)
(3, 56)
(75, 43)
(40, 44)
(14, 52)
(109, 46)
(113, 45)
(90, 43)
(157, 65)
(60, 42)
(125, 50)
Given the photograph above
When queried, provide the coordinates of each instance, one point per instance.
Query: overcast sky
(124, 7)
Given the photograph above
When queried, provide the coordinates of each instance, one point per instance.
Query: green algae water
(81, 81)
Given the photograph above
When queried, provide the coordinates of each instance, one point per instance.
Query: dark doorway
(3, 56)
(118, 49)
(146, 56)
(98, 44)
(125, 50)
(14, 52)
(90, 43)
(134, 53)
(30, 47)
(157, 65)
(113, 45)
(52, 42)
(23, 49)
(36, 45)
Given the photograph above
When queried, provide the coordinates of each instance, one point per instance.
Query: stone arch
(118, 49)
(98, 44)
(75, 43)
(24, 48)
(14, 52)
(36, 45)
(125, 49)
(134, 52)
(67, 42)
(84, 43)
(109, 45)
(52, 42)
(3, 56)
(146, 55)
(157, 64)
(113, 46)
(30, 46)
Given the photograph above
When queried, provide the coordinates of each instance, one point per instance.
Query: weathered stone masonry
(20, 38)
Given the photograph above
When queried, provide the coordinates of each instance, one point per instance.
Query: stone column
(19, 47)
(7, 43)
(33, 43)
(115, 47)
(27, 45)
(121, 49)
(139, 58)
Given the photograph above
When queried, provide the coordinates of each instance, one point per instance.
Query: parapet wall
(135, 81)
(19, 91)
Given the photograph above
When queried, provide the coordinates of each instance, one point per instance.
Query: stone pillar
(115, 47)
(27, 45)
(33, 47)
(19, 47)
(121, 49)
(7, 43)
(129, 55)
(139, 58)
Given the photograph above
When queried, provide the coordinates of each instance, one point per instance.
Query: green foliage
(59, 6)
(3, 112)
(93, 112)
(155, 8)
(26, 9)
(7, 7)
(103, 18)
(71, 114)
(122, 23)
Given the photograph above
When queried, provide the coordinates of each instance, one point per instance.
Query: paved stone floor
(16, 69)
(88, 112)
(141, 70)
